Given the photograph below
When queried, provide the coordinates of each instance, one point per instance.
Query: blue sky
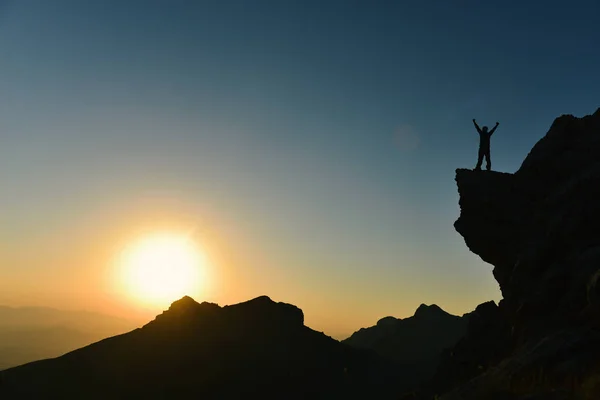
(314, 141)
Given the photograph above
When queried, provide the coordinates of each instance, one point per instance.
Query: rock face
(539, 227)
(416, 341)
(256, 349)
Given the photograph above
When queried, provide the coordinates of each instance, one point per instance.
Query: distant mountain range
(33, 333)
(415, 342)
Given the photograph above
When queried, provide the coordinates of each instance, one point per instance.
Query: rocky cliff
(540, 228)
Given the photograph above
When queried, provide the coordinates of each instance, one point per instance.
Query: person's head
(485, 129)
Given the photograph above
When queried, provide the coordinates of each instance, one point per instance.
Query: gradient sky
(309, 145)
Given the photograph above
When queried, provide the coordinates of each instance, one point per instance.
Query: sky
(309, 147)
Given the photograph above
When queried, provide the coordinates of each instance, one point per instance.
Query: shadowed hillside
(257, 348)
(416, 342)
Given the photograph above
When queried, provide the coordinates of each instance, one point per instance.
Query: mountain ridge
(258, 347)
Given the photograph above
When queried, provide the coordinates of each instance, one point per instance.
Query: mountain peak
(260, 313)
(188, 305)
(263, 310)
(429, 311)
(264, 300)
(185, 301)
(388, 321)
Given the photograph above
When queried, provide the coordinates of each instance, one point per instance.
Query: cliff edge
(540, 229)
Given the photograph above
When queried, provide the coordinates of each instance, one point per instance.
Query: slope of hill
(259, 349)
(416, 342)
(33, 333)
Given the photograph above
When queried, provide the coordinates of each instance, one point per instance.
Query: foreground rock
(256, 349)
(416, 342)
(539, 227)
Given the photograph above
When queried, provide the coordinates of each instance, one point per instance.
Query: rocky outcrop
(486, 342)
(539, 227)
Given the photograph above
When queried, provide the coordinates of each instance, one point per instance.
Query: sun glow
(162, 268)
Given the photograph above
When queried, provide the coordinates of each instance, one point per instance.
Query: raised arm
(494, 128)
(476, 126)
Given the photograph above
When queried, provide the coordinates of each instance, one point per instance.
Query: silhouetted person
(484, 145)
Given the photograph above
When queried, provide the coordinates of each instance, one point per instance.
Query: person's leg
(479, 158)
(488, 161)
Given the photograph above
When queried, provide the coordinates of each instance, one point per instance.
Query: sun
(161, 268)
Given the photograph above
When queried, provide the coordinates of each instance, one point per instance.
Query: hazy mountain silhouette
(33, 333)
(256, 349)
(539, 229)
(45, 316)
(416, 342)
